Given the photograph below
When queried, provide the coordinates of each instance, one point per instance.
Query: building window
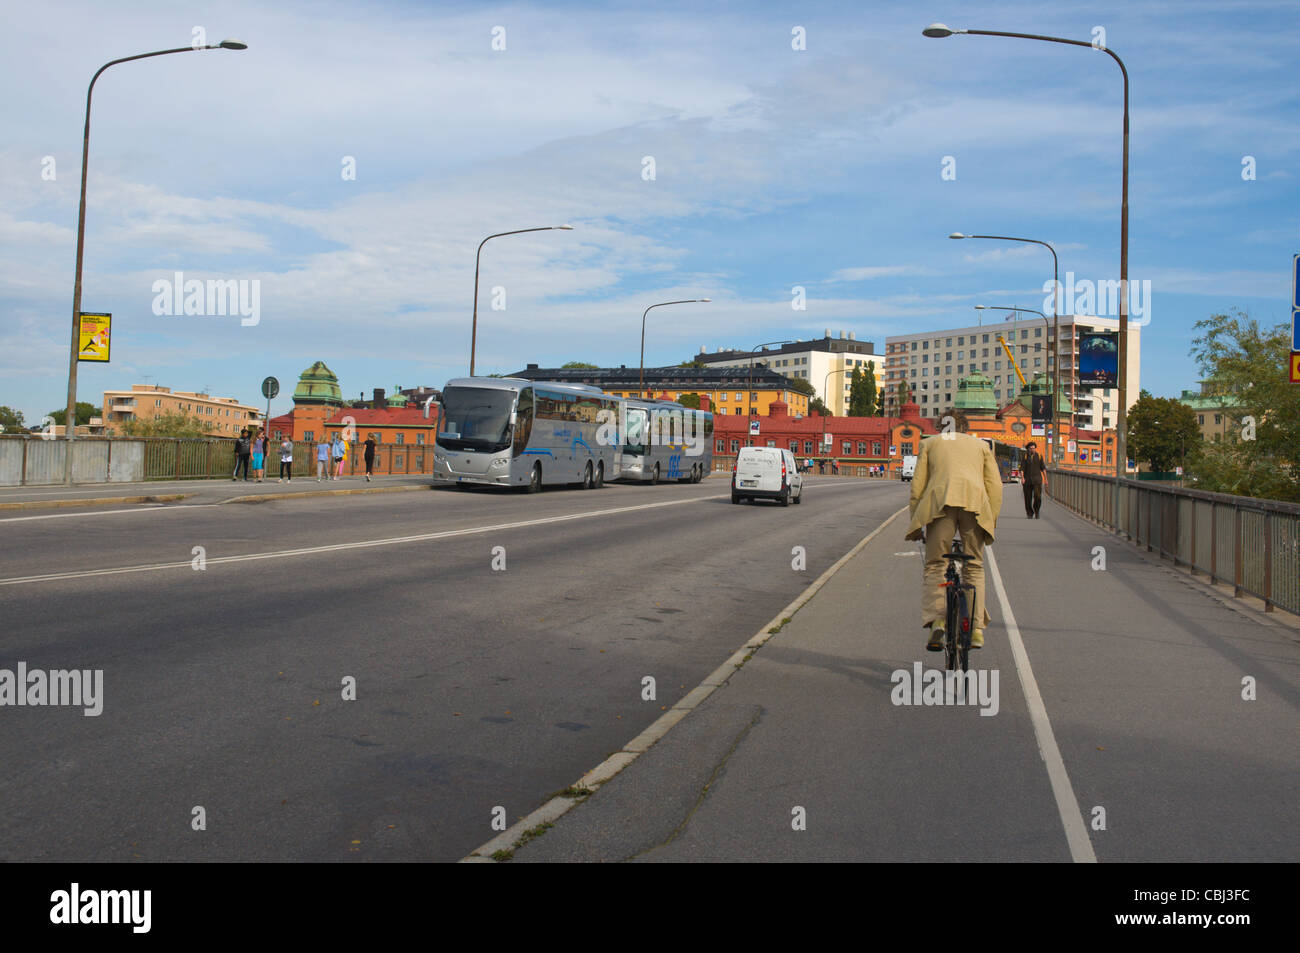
(925, 345)
(1109, 458)
(875, 448)
(907, 449)
(724, 396)
(739, 396)
(794, 446)
(1218, 418)
(771, 443)
(309, 435)
(846, 447)
(735, 446)
(721, 445)
(419, 438)
(986, 339)
(1038, 332)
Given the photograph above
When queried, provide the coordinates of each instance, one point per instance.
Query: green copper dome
(1042, 384)
(318, 385)
(975, 395)
(398, 399)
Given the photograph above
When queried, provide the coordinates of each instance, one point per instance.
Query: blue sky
(774, 168)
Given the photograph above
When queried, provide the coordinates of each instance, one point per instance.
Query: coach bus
(666, 441)
(505, 431)
(1008, 458)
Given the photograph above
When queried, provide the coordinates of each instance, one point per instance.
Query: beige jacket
(955, 469)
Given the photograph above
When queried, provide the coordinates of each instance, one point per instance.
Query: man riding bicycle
(956, 490)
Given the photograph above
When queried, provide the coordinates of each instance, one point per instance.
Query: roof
(383, 417)
(839, 426)
(679, 378)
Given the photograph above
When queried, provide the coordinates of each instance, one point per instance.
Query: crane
(1011, 358)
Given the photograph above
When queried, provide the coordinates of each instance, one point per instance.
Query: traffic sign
(270, 387)
(1295, 283)
(1295, 329)
(1295, 368)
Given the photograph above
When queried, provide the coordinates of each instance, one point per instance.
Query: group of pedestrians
(251, 451)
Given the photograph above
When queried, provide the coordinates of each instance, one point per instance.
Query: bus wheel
(587, 481)
(600, 475)
(654, 475)
(699, 473)
(535, 484)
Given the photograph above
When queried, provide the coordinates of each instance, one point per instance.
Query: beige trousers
(938, 540)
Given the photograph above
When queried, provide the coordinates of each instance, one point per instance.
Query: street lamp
(473, 338)
(1056, 381)
(750, 392)
(939, 30)
(1056, 326)
(70, 418)
(641, 379)
(826, 393)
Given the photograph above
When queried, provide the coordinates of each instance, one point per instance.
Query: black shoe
(936, 640)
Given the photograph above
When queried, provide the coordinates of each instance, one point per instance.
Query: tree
(690, 400)
(801, 386)
(1247, 366)
(695, 363)
(862, 392)
(580, 365)
(84, 412)
(166, 425)
(818, 406)
(904, 394)
(1162, 432)
(871, 391)
(11, 421)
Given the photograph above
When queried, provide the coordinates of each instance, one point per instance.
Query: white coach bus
(505, 431)
(666, 441)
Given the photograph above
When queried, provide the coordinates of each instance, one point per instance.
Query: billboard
(1099, 359)
(94, 337)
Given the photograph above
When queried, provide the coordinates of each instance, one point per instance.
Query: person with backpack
(340, 452)
(243, 450)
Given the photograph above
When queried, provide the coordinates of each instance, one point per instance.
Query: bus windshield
(476, 418)
(636, 430)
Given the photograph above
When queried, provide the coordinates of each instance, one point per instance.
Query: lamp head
(938, 31)
(956, 235)
(566, 228)
(230, 43)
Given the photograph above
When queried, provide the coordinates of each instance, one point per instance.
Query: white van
(909, 468)
(766, 472)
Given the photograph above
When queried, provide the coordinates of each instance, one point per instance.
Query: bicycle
(960, 611)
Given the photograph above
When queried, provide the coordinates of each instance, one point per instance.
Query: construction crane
(1012, 359)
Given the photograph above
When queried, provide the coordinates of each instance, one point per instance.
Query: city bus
(505, 431)
(666, 441)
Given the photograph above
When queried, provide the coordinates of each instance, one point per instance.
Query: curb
(272, 497)
(95, 501)
(513, 837)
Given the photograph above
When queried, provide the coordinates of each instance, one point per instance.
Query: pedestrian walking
(286, 461)
(322, 458)
(956, 489)
(1033, 480)
(243, 450)
(835, 468)
(370, 456)
(339, 450)
(259, 456)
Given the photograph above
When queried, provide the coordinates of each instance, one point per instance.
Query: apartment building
(933, 363)
(147, 401)
(827, 363)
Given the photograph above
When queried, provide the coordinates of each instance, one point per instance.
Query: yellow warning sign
(94, 344)
(1295, 367)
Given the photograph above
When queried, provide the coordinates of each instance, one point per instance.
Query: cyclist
(956, 490)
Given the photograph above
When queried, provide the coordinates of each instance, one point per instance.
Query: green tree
(1248, 367)
(871, 391)
(11, 421)
(695, 363)
(581, 365)
(801, 386)
(690, 400)
(166, 425)
(904, 393)
(855, 393)
(84, 412)
(818, 406)
(1162, 432)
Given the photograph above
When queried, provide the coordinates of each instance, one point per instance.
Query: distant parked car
(766, 473)
(909, 467)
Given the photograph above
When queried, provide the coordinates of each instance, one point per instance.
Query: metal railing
(1249, 543)
(32, 461)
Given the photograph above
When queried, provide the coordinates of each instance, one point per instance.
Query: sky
(697, 150)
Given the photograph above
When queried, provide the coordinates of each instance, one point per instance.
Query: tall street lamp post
(825, 395)
(70, 420)
(938, 30)
(473, 337)
(641, 378)
(1056, 313)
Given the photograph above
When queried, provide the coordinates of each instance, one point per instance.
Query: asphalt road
(475, 688)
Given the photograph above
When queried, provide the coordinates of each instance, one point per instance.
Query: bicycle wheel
(950, 634)
(963, 631)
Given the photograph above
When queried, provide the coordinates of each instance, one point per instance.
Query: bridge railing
(1249, 543)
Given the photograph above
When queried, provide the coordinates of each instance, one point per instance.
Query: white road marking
(1076, 833)
(360, 544)
(136, 509)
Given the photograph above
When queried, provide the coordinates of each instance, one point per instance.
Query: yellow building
(728, 390)
(148, 401)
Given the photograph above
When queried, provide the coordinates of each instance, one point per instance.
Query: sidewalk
(802, 754)
(197, 491)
